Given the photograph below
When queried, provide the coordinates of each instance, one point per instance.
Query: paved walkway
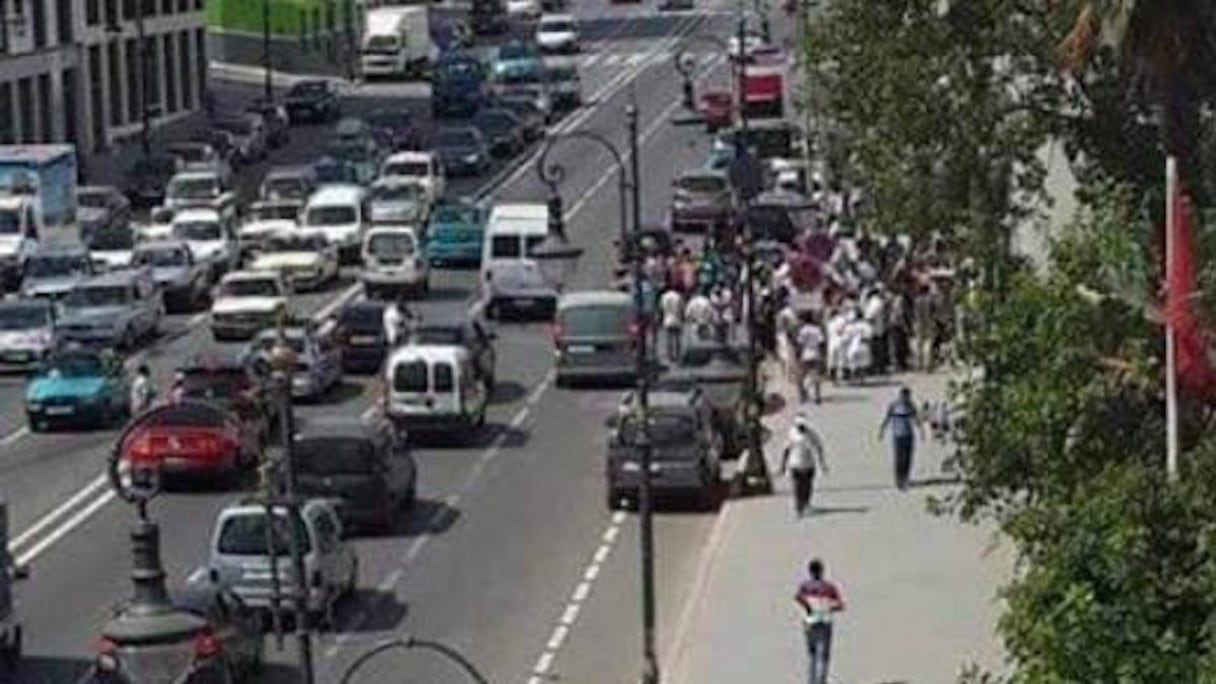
(919, 589)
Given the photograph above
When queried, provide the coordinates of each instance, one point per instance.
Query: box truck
(397, 42)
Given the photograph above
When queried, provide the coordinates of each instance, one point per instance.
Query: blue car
(455, 234)
(518, 62)
(77, 387)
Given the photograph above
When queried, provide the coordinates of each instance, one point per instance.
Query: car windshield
(385, 44)
(161, 257)
(295, 243)
(437, 334)
(556, 26)
(97, 296)
(362, 317)
(284, 186)
(250, 287)
(665, 429)
(595, 321)
(215, 384)
(334, 456)
(235, 126)
(75, 366)
(456, 139)
(337, 215)
(454, 213)
(272, 212)
(398, 192)
(111, 239)
(563, 73)
(93, 199)
(10, 222)
(194, 188)
(24, 317)
(407, 168)
(246, 535)
(57, 265)
(391, 245)
(198, 230)
(519, 274)
(701, 184)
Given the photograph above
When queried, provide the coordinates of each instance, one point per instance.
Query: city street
(507, 530)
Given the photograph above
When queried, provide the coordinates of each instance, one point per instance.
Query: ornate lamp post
(410, 643)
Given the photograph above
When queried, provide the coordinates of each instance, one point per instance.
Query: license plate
(59, 410)
(581, 349)
(363, 339)
(526, 303)
(16, 357)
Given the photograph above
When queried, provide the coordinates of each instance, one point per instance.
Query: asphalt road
(510, 555)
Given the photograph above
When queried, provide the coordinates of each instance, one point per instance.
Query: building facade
(74, 70)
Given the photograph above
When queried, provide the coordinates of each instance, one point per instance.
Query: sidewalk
(919, 589)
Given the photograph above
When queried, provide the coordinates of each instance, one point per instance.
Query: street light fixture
(411, 643)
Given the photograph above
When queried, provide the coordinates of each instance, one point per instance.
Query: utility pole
(267, 86)
(650, 664)
(145, 131)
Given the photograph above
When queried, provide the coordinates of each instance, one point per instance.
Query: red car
(717, 108)
(194, 438)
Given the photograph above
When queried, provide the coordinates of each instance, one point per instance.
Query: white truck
(397, 42)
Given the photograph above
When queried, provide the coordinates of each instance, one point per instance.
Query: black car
(488, 17)
(358, 328)
(275, 117)
(312, 100)
(397, 127)
(531, 116)
(225, 378)
(720, 372)
(463, 151)
(502, 129)
(365, 466)
(147, 179)
(465, 331)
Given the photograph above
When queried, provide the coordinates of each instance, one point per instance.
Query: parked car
(393, 262)
(312, 100)
(720, 372)
(533, 119)
(318, 360)
(242, 549)
(502, 130)
(249, 135)
(306, 259)
(434, 389)
(53, 270)
(212, 239)
(194, 439)
(144, 183)
(248, 302)
(455, 233)
(462, 150)
(184, 282)
(99, 207)
(702, 200)
(77, 387)
(557, 33)
(275, 119)
(27, 334)
(365, 468)
(358, 330)
(116, 309)
(398, 127)
(295, 182)
(462, 330)
(226, 377)
(595, 337)
(421, 167)
(685, 449)
(518, 289)
(111, 248)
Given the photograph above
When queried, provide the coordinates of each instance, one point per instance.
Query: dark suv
(244, 388)
(685, 449)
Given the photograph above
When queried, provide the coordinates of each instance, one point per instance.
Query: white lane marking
(14, 435)
(601, 553)
(197, 576)
(570, 614)
(58, 512)
(543, 663)
(557, 638)
(336, 303)
(520, 417)
(66, 529)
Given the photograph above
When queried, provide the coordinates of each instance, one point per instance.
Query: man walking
(819, 600)
(904, 421)
(143, 392)
(671, 307)
(803, 450)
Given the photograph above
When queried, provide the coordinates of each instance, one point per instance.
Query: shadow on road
(507, 392)
(372, 610)
(43, 669)
(428, 516)
(341, 393)
(818, 511)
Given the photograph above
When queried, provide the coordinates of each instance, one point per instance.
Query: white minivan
(339, 211)
(434, 388)
(511, 233)
(394, 263)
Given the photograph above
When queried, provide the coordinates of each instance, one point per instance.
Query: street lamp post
(282, 361)
(410, 643)
(267, 86)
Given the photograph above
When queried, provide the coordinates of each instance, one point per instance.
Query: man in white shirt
(836, 344)
(671, 308)
(699, 315)
(875, 312)
(810, 342)
(394, 323)
(803, 451)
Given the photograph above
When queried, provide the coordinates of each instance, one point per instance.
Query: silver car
(518, 289)
(397, 200)
(185, 282)
(27, 333)
(318, 360)
(116, 309)
(52, 272)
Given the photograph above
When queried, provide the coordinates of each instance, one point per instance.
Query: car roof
(428, 352)
(337, 193)
(124, 276)
(557, 17)
(196, 214)
(220, 358)
(61, 249)
(98, 189)
(291, 170)
(519, 210)
(197, 174)
(250, 275)
(335, 426)
(409, 156)
(572, 300)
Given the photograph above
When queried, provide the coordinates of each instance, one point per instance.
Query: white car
(557, 33)
(248, 302)
(393, 263)
(752, 43)
(523, 9)
(422, 167)
(207, 189)
(306, 260)
(211, 237)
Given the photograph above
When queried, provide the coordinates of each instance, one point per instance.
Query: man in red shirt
(819, 600)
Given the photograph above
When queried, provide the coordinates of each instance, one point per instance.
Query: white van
(393, 263)
(340, 213)
(511, 232)
(397, 42)
(434, 388)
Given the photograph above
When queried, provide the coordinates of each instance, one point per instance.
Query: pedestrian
(699, 315)
(143, 392)
(724, 314)
(836, 344)
(177, 393)
(923, 325)
(810, 357)
(904, 421)
(819, 600)
(394, 323)
(671, 307)
(803, 449)
(875, 312)
(858, 345)
(787, 335)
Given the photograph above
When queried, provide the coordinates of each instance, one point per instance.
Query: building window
(198, 5)
(3, 27)
(149, 8)
(166, 7)
(183, 5)
(25, 109)
(111, 12)
(71, 105)
(115, 86)
(128, 9)
(200, 57)
(97, 112)
(170, 72)
(152, 74)
(8, 136)
(39, 18)
(46, 115)
(64, 21)
(187, 69)
(134, 87)
(92, 12)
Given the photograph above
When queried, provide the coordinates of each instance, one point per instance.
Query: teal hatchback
(77, 387)
(455, 234)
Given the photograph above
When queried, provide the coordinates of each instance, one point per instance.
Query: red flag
(1191, 338)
